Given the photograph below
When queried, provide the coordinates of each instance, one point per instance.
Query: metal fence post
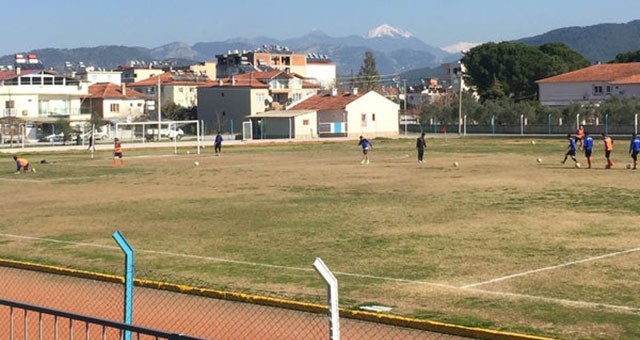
(606, 123)
(521, 124)
(128, 279)
(332, 283)
(465, 125)
(549, 123)
(635, 123)
(493, 124)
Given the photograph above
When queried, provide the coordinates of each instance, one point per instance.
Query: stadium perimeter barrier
(515, 130)
(198, 311)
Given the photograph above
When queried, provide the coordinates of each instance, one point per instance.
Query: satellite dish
(268, 100)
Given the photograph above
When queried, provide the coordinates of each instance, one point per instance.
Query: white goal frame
(167, 123)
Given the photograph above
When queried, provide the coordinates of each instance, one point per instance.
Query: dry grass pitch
(502, 241)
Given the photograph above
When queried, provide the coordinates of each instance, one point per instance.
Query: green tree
(368, 78)
(627, 57)
(63, 125)
(510, 69)
(174, 111)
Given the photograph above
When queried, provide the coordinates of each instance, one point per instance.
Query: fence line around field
(218, 314)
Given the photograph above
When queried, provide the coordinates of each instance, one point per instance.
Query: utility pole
(460, 102)
(159, 108)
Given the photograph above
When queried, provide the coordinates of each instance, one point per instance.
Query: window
(305, 122)
(597, 89)
(608, 89)
(260, 97)
(363, 120)
(9, 104)
(115, 108)
(373, 117)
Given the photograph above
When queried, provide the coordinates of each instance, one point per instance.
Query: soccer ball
(628, 166)
(539, 160)
(533, 142)
(188, 152)
(196, 163)
(577, 165)
(455, 164)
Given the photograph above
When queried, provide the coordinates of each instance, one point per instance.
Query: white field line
(590, 259)
(20, 180)
(363, 276)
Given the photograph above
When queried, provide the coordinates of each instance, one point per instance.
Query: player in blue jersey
(634, 149)
(588, 147)
(366, 145)
(572, 149)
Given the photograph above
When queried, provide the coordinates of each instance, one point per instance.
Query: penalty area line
(528, 272)
(223, 260)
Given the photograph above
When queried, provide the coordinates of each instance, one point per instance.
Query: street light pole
(460, 103)
(405, 108)
(159, 107)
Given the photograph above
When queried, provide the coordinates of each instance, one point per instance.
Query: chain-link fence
(192, 311)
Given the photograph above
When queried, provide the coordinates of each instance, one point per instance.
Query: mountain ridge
(396, 51)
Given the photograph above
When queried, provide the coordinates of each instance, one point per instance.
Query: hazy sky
(36, 24)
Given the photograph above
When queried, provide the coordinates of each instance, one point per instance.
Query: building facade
(114, 102)
(590, 85)
(180, 88)
(226, 103)
(353, 114)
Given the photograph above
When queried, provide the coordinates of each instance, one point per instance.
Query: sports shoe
(17, 172)
(362, 162)
(33, 170)
(367, 161)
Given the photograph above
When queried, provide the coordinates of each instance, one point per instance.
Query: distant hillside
(107, 57)
(395, 51)
(596, 43)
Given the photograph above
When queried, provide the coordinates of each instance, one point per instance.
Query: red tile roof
(172, 79)
(601, 72)
(110, 90)
(240, 81)
(634, 79)
(323, 102)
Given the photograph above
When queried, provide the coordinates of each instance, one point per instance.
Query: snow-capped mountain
(385, 30)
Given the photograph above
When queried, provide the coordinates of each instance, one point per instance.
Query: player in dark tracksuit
(420, 145)
(217, 144)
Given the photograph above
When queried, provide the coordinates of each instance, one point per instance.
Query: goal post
(179, 130)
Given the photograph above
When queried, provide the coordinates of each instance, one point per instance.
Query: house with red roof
(180, 88)
(353, 114)
(590, 85)
(225, 105)
(114, 102)
(333, 114)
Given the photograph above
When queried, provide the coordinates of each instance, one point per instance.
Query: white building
(93, 76)
(38, 95)
(114, 102)
(321, 70)
(351, 114)
(591, 85)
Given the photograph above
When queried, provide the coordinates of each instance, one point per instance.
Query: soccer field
(500, 241)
